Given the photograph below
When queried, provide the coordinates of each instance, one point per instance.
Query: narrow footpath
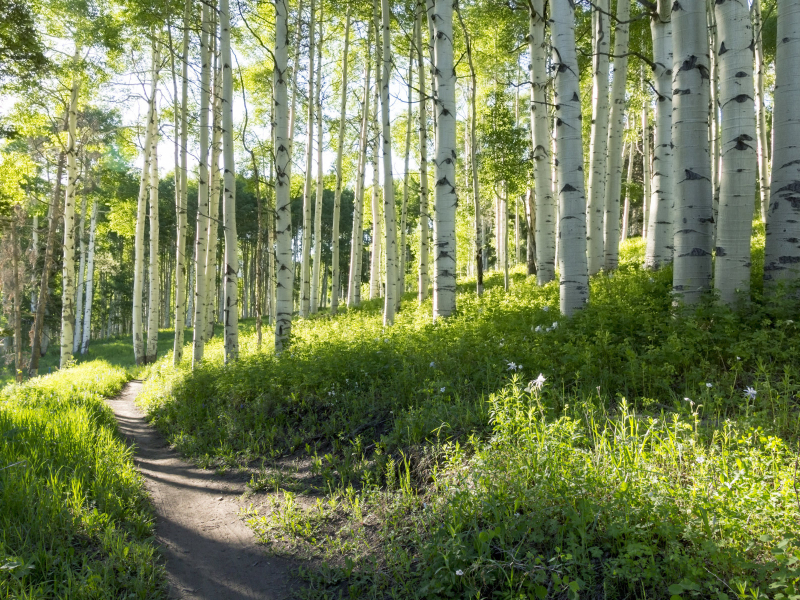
(210, 553)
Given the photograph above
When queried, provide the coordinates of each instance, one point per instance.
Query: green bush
(74, 518)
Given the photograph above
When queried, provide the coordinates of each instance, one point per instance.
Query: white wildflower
(433, 365)
(459, 572)
(545, 308)
(512, 366)
(555, 324)
(750, 393)
(708, 385)
(442, 390)
(538, 329)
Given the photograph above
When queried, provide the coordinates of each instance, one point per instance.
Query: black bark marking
(741, 74)
(722, 48)
(692, 176)
(680, 92)
(568, 188)
(788, 260)
(721, 251)
(792, 187)
(794, 162)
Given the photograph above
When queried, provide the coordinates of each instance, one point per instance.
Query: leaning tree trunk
(762, 149)
(423, 163)
(201, 227)
(337, 198)
(283, 208)
(569, 148)
(317, 264)
(68, 268)
(87, 313)
(545, 218)
(615, 135)
(305, 268)
(782, 251)
(692, 166)
(389, 210)
(659, 232)
(229, 192)
(598, 142)
(444, 224)
(181, 199)
(154, 285)
(738, 169)
(357, 237)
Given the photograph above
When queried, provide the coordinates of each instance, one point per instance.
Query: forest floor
(209, 551)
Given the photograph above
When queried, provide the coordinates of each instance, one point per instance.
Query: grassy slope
(74, 517)
(640, 469)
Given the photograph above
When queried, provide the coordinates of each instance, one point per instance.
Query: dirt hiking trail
(210, 553)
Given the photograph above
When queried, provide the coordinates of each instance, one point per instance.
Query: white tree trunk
(201, 228)
(569, 148)
(377, 237)
(298, 38)
(401, 269)
(284, 283)
(337, 198)
(782, 251)
(738, 169)
(692, 166)
(182, 198)
(87, 312)
(154, 285)
(317, 264)
(423, 162)
(762, 149)
(645, 157)
(598, 142)
(215, 187)
(81, 280)
(389, 210)
(545, 204)
(662, 199)
(444, 224)
(616, 130)
(305, 266)
(713, 111)
(357, 238)
(229, 192)
(626, 212)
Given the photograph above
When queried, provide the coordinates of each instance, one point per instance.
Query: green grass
(74, 518)
(640, 469)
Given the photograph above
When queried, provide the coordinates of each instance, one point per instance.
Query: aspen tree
(215, 187)
(201, 227)
(305, 267)
(616, 130)
(81, 274)
(154, 284)
(569, 148)
(284, 278)
(231, 264)
(739, 160)
(401, 269)
(87, 311)
(315, 276)
(762, 149)
(545, 204)
(16, 293)
(357, 238)
(645, 154)
(692, 164)
(782, 250)
(659, 232)
(68, 269)
(444, 224)
(713, 111)
(423, 162)
(389, 210)
(181, 199)
(627, 191)
(295, 70)
(598, 142)
(337, 198)
(377, 238)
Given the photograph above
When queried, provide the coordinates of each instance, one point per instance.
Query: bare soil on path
(210, 553)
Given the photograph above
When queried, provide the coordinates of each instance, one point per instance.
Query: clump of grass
(74, 518)
(643, 468)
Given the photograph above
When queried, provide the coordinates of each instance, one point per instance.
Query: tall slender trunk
(229, 192)
(155, 281)
(79, 287)
(215, 185)
(316, 266)
(782, 251)
(16, 285)
(504, 229)
(337, 198)
(401, 270)
(181, 200)
(545, 211)
(713, 111)
(357, 239)
(284, 284)
(305, 269)
(739, 159)
(444, 224)
(569, 147)
(87, 313)
(645, 155)
(298, 38)
(201, 227)
(762, 148)
(626, 212)
(598, 142)
(423, 162)
(377, 238)
(68, 269)
(692, 167)
(615, 134)
(530, 242)
(389, 209)
(660, 230)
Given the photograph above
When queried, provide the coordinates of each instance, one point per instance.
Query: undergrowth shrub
(74, 518)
